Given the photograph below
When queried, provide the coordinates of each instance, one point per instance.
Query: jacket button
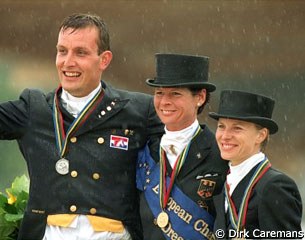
(74, 174)
(73, 208)
(96, 176)
(100, 140)
(93, 211)
(73, 139)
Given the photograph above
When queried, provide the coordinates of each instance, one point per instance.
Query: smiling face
(78, 63)
(177, 107)
(238, 140)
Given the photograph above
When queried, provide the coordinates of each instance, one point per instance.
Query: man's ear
(105, 59)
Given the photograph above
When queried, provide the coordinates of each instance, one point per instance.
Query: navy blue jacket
(113, 194)
(202, 166)
(274, 205)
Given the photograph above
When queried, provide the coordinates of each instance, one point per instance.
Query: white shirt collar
(74, 105)
(177, 140)
(238, 172)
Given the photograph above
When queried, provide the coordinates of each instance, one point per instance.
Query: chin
(68, 86)
(227, 157)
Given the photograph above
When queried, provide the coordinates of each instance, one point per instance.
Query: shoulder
(276, 181)
(125, 94)
(208, 138)
(136, 95)
(30, 92)
(207, 132)
(206, 141)
(275, 176)
(33, 96)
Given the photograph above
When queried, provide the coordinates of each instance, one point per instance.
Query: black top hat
(176, 70)
(248, 107)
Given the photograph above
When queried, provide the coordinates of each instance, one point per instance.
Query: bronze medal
(162, 219)
(62, 166)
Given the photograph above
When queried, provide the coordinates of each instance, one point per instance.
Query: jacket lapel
(197, 153)
(239, 191)
(110, 105)
(219, 202)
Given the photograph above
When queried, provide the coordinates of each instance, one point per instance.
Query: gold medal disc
(162, 219)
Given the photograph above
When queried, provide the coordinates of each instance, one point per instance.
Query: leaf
(21, 202)
(6, 228)
(3, 200)
(19, 184)
(13, 217)
(8, 208)
(12, 207)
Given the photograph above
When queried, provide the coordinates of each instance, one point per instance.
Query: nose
(226, 134)
(165, 100)
(69, 60)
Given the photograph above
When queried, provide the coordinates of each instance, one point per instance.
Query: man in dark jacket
(81, 142)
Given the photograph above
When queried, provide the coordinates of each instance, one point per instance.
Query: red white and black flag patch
(206, 188)
(119, 142)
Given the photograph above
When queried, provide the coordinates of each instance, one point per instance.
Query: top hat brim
(264, 122)
(208, 86)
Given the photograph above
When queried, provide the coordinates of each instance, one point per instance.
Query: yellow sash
(99, 224)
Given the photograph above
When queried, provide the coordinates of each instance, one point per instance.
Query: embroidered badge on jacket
(119, 142)
(206, 188)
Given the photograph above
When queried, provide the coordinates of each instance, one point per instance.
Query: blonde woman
(258, 201)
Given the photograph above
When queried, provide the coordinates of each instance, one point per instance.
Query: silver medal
(62, 166)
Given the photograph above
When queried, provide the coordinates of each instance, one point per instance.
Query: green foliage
(12, 206)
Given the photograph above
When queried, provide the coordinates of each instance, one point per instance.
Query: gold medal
(162, 219)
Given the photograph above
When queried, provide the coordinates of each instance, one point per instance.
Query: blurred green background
(257, 46)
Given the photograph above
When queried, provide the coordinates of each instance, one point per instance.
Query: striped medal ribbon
(164, 193)
(238, 220)
(62, 165)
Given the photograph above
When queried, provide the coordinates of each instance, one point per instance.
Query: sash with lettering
(191, 221)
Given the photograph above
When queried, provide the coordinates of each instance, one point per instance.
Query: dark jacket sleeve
(14, 117)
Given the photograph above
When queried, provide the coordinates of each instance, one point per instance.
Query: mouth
(71, 74)
(167, 112)
(227, 146)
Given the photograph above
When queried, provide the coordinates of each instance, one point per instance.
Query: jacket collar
(111, 104)
(198, 151)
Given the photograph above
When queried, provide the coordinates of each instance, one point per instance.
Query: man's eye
(82, 53)
(61, 50)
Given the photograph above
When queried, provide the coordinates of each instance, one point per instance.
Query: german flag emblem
(206, 188)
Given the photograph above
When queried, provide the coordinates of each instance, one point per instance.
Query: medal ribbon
(164, 192)
(60, 134)
(238, 220)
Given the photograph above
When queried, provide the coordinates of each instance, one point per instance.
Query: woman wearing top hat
(186, 169)
(257, 201)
